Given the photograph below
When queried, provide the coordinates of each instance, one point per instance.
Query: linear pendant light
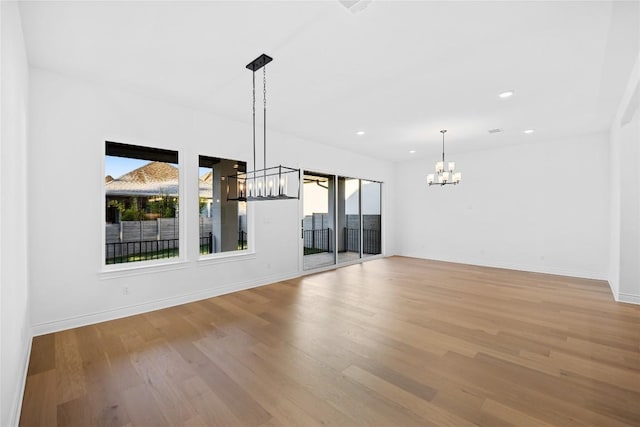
(269, 183)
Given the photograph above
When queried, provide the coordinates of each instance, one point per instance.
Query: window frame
(140, 267)
(220, 257)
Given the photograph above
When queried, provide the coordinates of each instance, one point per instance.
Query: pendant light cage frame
(269, 183)
(274, 183)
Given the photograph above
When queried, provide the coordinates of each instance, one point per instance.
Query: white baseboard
(614, 292)
(16, 409)
(628, 298)
(522, 267)
(92, 318)
(117, 313)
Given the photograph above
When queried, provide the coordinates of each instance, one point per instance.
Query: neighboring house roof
(206, 186)
(152, 172)
(153, 179)
(207, 177)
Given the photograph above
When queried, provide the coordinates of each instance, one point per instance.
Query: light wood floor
(391, 342)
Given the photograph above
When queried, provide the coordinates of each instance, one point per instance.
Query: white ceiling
(400, 71)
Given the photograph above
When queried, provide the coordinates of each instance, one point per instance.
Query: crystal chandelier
(442, 177)
(269, 183)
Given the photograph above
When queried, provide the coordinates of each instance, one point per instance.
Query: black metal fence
(208, 243)
(120, 252)
(316, 241)
(351, 239)
(242, 240)
(371, 242)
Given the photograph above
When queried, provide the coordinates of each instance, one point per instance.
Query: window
(141, 203)
(223, 223)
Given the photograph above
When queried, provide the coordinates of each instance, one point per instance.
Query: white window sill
(115, 271)
(224, 257)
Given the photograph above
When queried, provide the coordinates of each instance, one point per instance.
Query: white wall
(614, 213)
(624, 274)
(14, 286)
(70, 120)
(536, 207)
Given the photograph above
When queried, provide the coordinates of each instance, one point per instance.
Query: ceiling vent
(355, 6)
(496, 130)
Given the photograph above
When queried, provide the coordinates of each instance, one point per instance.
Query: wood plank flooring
(391, 342)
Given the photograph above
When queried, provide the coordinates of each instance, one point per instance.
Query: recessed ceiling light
(528, 131)
(412, 151)
(506, 94)
(360, 132)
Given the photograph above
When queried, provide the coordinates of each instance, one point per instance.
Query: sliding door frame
(361, 258)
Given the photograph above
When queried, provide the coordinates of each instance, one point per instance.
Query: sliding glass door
(318, 229)
(342, 220)
(370, 192)
(348, 219)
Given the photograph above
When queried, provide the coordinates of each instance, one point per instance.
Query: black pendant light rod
(254, 125)
(264, 116)
(260, 62)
